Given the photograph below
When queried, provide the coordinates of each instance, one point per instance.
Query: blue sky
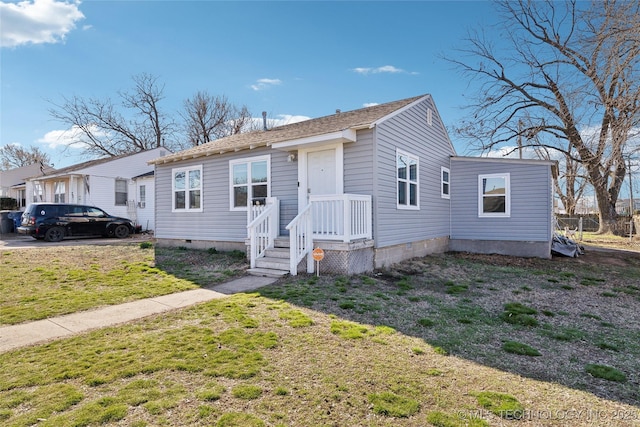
(292, 59)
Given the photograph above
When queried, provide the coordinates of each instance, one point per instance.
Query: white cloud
(287, 119)
(67, 138)
(37, 21)
(388, 69)
(280, 120)
(370, 104)
(262, 84)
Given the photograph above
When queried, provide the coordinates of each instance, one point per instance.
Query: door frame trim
(303, 170)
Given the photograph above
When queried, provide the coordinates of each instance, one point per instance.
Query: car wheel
(121, 231)
(54, 234)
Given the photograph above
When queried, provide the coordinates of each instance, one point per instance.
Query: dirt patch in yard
(593, 256)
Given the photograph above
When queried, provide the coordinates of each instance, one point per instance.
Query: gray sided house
(502, 206)
(371, 187)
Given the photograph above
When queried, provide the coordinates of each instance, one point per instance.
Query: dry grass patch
(405, 353)
(207, 366)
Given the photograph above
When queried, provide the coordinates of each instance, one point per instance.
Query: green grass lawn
(52, 281)
(395, 348)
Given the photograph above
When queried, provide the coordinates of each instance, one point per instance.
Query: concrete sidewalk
(12, 337)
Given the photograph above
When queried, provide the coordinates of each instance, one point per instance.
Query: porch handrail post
(309, 237)
(262, 229)
(300, 239)
(274, 228)
(346, 218)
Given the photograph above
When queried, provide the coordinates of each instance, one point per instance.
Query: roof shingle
(308, 128)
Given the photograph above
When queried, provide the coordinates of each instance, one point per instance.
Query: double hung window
(494, 195)
(121, 192)
(59, 189)
(249, 182)
(187, 189)
(407, 178)
(445, 184)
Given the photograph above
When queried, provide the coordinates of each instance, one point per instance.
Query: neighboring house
(13, 182)
(120, 185)
(623, 206)
(370, 187)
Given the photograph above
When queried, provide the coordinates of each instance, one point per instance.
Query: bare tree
(207, 117)
(572, 182)
(101, 128)
(15, 156)
(573, 73)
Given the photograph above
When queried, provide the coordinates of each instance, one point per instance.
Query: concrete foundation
(389, 255)
(502, 247)
(201, 244)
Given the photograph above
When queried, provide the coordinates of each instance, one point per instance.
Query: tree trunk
(606, 212)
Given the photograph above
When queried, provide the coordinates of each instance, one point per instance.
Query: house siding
(410, 132)
(100, 179)
(531, 200)
(145, 215)
(216, 222)
(284, 186)
(359, 164)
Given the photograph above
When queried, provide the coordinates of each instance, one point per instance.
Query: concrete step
(282, 242)
(267, 272)
(273, 263)
(277, 253)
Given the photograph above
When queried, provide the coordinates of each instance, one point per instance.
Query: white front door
(320, 172)
(321, 167)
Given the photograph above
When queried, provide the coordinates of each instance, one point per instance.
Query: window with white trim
(38, 193)
(407, 177)
(249, 181)
(445, 186)
(121, 192)
(142, 198)
(187, 189)
(494, 195)
(59, 190)
(22, 198)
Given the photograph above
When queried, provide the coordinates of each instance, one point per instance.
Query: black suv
(54, 221)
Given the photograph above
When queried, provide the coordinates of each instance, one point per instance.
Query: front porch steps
(275, 262)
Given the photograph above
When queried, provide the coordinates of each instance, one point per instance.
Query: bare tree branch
(561, 72)
(15, 156)
(103, 131)
(207, 117)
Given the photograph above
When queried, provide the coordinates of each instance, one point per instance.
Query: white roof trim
(504, 160)
(399, 111)
(346, 135)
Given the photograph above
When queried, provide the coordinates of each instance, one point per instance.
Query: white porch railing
(344, 217)
(300, 241)
(263, 228)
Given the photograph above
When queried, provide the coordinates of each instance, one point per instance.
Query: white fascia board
(398, 111)
(346, 135)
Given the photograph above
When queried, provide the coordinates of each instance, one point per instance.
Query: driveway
(13, 240)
